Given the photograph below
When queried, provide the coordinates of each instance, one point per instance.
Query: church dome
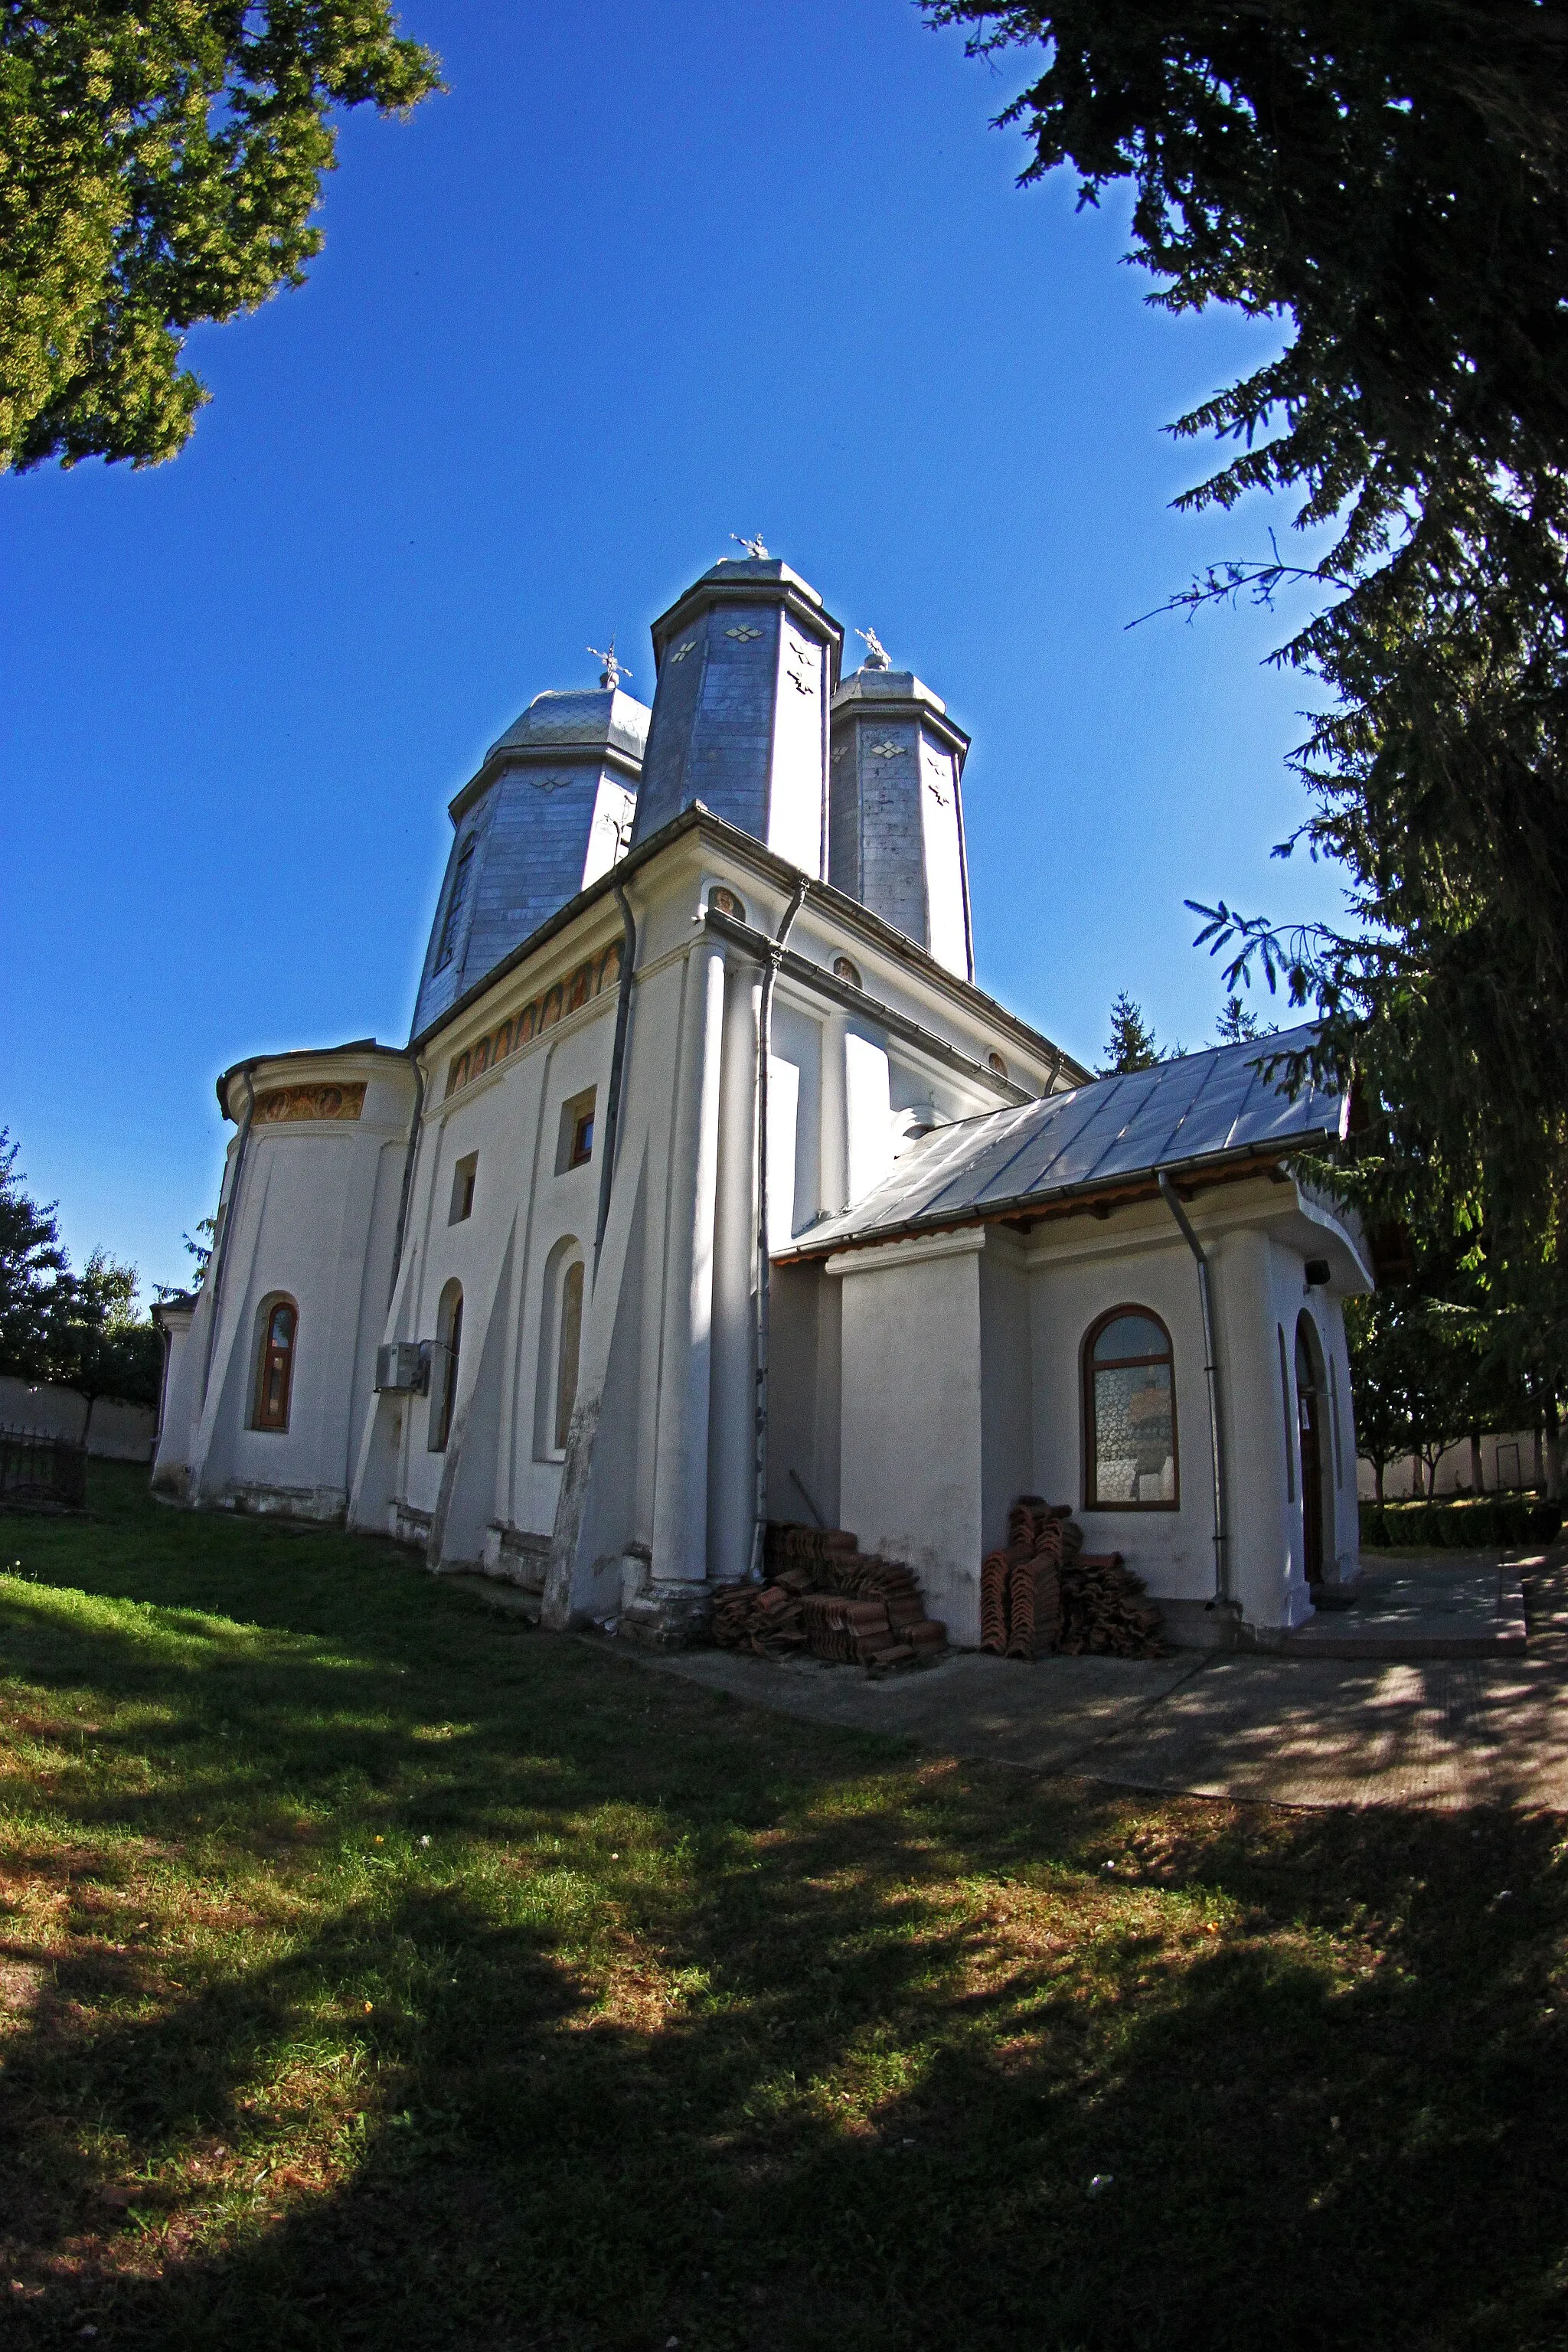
(599, 718)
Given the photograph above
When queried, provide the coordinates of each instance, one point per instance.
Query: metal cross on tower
(614, 670)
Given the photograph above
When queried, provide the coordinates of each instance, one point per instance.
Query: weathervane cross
(614, 670)
(876, 655)
(755, 547)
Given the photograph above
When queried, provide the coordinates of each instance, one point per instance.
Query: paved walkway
(1441, 1731)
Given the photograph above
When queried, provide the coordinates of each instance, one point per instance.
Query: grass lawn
(377, 1971)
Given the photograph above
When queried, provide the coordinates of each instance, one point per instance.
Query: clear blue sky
(644, 277)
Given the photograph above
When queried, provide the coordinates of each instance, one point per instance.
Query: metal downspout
(220, 1243)
(1223, 1596)
(617, 1066)
(408, 1158)
(764, 1044)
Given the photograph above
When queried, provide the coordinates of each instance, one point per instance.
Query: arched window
(1128, 1414)
(275, 1364)
(444, 1368)
(560, 1350)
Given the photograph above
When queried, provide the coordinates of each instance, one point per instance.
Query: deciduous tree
(159, 165)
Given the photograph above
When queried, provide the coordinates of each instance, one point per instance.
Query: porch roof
(1205, 1114)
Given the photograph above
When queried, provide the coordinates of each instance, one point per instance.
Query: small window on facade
(275, 1371)
(576, 1147)
(844, 970)
(724, 902)
(580, 987)
(444, 1371)
(455, 905)
(570, 1350)
(480, 1061)
(465, 1176)
(1130, 1414)
(994, 1062)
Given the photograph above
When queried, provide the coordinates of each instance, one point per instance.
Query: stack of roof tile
(1042, 1592)
(825, 1596)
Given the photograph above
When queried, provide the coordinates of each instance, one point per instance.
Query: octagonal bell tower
(896, 835)
(748, 661)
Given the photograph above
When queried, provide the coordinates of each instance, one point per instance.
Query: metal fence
(39, 1473)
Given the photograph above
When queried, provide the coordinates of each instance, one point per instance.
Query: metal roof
(592, 719)
(1205, 1108)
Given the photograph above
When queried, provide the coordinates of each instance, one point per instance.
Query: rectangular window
(455, 904)
(575, 1148)
(465, 1175)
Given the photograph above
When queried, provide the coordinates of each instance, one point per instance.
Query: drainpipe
(618, 1066)
(1223, 1596)
(220, 1243)
(408, 1159)
(765, 1041)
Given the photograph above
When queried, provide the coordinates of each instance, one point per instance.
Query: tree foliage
(79, 1330)
(1389, 184)
(35, 1274)
(159, 166)
(1132, 1045)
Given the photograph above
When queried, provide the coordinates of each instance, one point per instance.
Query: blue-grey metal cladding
(895, 822)
(550, 808)
(1207, 1106)
(712, 735)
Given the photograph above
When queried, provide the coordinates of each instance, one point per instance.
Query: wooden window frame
(275, 1424)
(1087, 1368)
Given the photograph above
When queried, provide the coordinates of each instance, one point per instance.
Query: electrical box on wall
(403, 1368)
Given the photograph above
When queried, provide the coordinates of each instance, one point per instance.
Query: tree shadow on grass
(1075, 2117)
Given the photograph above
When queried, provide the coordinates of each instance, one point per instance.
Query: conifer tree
(1132, 1045)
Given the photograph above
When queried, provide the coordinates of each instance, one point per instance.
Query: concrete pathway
(1444, 1731)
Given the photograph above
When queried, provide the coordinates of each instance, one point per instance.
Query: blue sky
(644, 277)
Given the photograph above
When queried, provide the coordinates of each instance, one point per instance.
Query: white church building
(709, 1189)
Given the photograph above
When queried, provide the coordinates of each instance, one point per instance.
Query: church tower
(896, 831)
(748, 660)
(548, 813)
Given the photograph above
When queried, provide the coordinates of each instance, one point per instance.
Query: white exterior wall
(309, 1213)
(913, 1445)
(961, 1360)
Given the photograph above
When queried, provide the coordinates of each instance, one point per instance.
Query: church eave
(1027, 1209)
(848, 913)
(304, 1054)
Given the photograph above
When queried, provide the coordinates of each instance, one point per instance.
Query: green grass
(380, 1972)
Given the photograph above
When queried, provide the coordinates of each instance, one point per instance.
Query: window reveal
(274, 1376)
(571, 1348)
(1130, 1414)
(449, 1326)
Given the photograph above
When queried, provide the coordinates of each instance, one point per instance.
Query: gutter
(617, 1070)
(1024, 1210)
(775, 957)
(1223, 1597)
